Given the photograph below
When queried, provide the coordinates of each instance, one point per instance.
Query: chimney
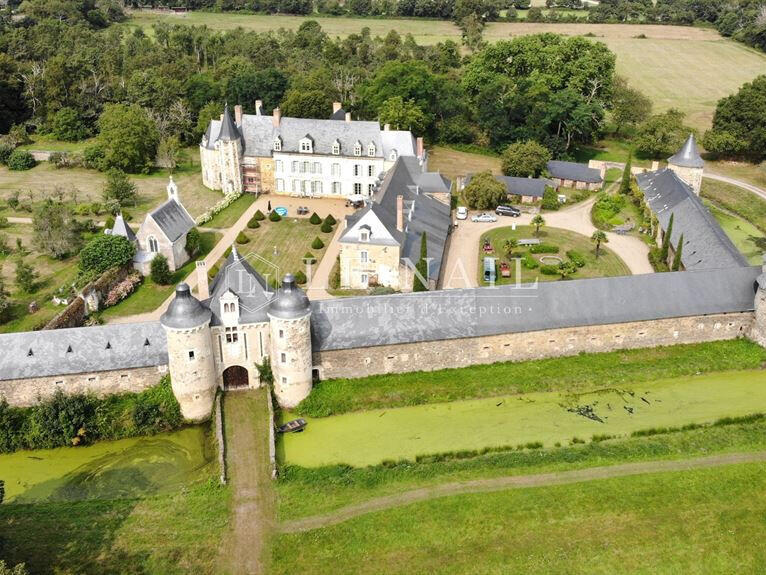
(258, 106)
(420, 147)
(276, 116)
(348, 116)
(386, 127)
(400, 213)
(336, 106)
(221, 117)
(238, 115)
(655, 166)
(203, 290)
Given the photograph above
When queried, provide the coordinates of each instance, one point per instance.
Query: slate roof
(687, 156)
(185, 311)
(573, 171)
(400, 140)
(173, 219)
(530, 187)
(229, 131)
(433, 183)
(97, 348)
(339, 114)
(239, 276)
(121, 228)
(347, 323)
(706, 245)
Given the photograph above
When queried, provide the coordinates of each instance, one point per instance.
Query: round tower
(758, 332)
(290, 314)
(688, 164)
(229, 147)
(190, 354)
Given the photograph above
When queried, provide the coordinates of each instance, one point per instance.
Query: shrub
(330, 219)
(212, 272)
(335, 275)
(253, 223)
(529, 262)
(549, 270)
(317, 244)
(300, 277)
(123, 289)
(658, 262)
(242, 238)
(606, 207)
(160, 270)
(258, 216)
(309, 258)
(326, 227)
(105, 251)
(315, 219)
(93, 157)
(274, 217)
(550, 199)
(544, 249)
(20, 160)
(68, 126)
(6, 149)
(577, 440)
(577, 258)
(193, 242)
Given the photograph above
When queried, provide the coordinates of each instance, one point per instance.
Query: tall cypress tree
(666, 240)
(421, 267)
(677, 258)
(626, 176)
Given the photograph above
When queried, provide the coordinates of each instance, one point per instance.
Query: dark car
(507, 211)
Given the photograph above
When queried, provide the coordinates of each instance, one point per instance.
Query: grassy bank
(573, 374)
(702, 521)
(733, 198)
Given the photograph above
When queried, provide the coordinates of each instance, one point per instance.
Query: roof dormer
(392, 155)
(229, 308)
(336, 148)
(278, 144)
(371, 149)
(306, 145)
(364, 233)
(358, 148)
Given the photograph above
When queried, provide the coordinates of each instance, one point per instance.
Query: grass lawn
(229, 216)
(277, 248)
(740, 231)
(46, 143)
(734, 199)
(606, 264)
(453, 163)
(573, 374)
(149, 295)
(608, 150)
(368, 438)
(699, 521)
(148, 505)
(752, 173)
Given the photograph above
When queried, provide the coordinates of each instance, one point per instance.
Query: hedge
(577, 258)
(549, 270)
(544, 249)
(274, 217)
(253, 223)
(317, 244)
(259, 216)
(315, 219)
(242, 238)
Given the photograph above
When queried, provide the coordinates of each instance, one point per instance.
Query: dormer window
(306, 145)
(277, 144)
(392, 156)
(358, 149)
(336, 148)
(364, 235)
(371, 150)
(230, 309)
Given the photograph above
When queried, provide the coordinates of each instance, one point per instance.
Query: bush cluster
(549, 270)
(81, 419)
(576, 258)
(20, 160)
(529, 262)
(544, 249)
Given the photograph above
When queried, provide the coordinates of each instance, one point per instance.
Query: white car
(487, 218)
(462, 213)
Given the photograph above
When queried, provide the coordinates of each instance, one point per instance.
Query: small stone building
(528, 190)
(574, 175)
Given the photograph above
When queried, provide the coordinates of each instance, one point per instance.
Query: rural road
(749, 187)
(515, 482)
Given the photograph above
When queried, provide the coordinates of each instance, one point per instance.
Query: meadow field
(676, 66)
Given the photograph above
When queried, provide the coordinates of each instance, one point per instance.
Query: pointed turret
(229, 131)
(121, 228)
(687, 156)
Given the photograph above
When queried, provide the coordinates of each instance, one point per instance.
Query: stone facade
(291, 359)
(251, 345)
(27, 392)
(192, 368)
(432, 355)
(365, 265)
(692, 176)
(175, 252)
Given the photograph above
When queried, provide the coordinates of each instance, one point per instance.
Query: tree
(5, 302)
(484, 192)
(525, 159)
(19, 569)
(402, 115)
(105, 251)
(566, 269)
(168, 153)
(421, 267)
(662, 134)
(20, 160)
(210, 111)
(13, 109)
(677, 257)
(128, 138)
(193, 242)
(538, 221)
(119, 187)
(67, 125)
(665, 249)
(627, 176)
(55, 229)
(629, 106)
(739, 123)
(599, 237)
(307, 104)
(26, 277)
(510, 245)
(160, 270)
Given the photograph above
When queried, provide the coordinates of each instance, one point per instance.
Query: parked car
(508, 211)
(484, 218)
(462, 213)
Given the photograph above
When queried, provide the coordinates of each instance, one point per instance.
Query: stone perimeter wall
(432, 355)
(26, 392)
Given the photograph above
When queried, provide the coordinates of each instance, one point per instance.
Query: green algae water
(121, 469)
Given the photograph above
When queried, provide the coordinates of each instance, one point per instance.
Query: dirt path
(246, 423)
(515, 482)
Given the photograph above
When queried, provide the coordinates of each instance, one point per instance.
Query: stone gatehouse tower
(688, 164)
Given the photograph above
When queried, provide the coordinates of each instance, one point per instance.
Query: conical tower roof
(185, 311)
(290, 302)
(229, 131)
(687, 156)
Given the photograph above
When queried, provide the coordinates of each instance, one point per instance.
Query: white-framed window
(306, 146)
(317, 168)
(365, 280)
(277, 144)
(336, 188)
(364, 236)
(232, 335)
(357, 170)
(335, 169)
(278, 165)
(316, 187)
(305, 167)
(371, 150)
(363, 256)
(370, 171)
(370, 189)
(295, 186)
(280, 185)
(295, 166)
(154, 246)
(357, 188)
(336, 148)
(392, 156)
(358, 149)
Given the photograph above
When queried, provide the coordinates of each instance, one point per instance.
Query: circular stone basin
(555, 259)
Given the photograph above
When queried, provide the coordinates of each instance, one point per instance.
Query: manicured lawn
(367, 438)
(606, 264)
(149, 295)
(230, 215)
(135, 506)
(573, 374)
(453, 163)
(46, 143)
(740, 231)
(700, 521)
(734, 199)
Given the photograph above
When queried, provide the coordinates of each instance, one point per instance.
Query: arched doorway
(235, 377)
